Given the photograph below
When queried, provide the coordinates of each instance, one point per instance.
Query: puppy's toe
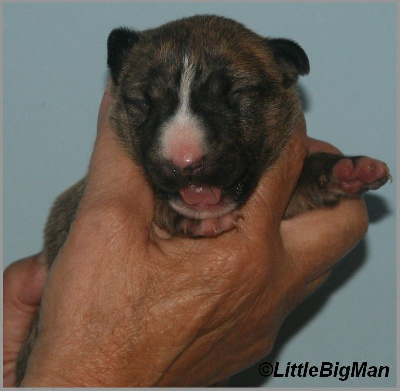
(359, 174)
(160, 232)
(210, 227)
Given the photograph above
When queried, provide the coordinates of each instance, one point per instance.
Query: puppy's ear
(292, 59)
(119, 42)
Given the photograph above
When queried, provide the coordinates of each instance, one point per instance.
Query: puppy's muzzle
(201, 189)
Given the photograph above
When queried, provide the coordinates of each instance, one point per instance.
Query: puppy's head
(204, 105)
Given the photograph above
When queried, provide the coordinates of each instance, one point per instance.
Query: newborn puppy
(205, 106)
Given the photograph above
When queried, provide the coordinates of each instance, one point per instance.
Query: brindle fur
(156, 55)
(146, 67)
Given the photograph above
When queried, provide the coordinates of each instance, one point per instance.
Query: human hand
(123, 307)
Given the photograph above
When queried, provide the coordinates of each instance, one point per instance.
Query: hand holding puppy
(122, 307)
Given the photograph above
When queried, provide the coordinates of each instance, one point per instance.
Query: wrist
(96, 371)
(90, 364)
(133, 356)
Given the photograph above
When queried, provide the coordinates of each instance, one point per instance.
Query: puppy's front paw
(327, 177)
(356, 175)
(210, 227)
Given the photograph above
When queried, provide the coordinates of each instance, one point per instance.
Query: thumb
(23, 283)
(114, 179)
(268, 203)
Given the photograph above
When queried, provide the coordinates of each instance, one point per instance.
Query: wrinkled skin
(123, 307)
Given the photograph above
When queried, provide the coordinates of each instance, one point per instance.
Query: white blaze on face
(182, 139)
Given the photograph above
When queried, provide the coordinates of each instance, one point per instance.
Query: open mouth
(201, 202)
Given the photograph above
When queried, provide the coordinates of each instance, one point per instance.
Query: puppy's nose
(185, 153)
(182, 141)
(187, 160)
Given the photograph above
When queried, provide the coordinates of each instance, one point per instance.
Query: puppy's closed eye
(141, 104)
(241, 93)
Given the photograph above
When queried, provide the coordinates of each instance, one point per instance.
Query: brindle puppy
(205, 106)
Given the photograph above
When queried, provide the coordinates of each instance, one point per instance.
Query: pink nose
(183, 155)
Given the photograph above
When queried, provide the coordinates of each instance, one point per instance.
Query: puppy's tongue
(196, 194)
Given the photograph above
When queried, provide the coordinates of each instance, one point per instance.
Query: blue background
(54, 75)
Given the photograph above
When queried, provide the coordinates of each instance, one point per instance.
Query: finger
(313, 285)
(114, 179)
(269, 201)
(112, 164)
(321, 237)
(23, 283)
(315, 145)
